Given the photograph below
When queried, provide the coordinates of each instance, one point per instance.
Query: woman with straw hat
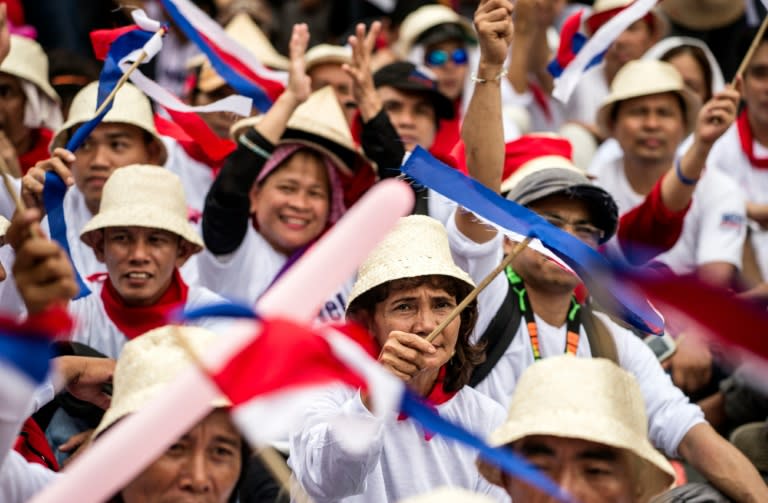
(406, 287)
(292, 176)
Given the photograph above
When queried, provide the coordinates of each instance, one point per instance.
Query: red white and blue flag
(233, 62)
(572, 39)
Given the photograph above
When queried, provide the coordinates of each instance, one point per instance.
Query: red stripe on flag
(101, 40)
(197, 139)
(284, 356)
(272, 88)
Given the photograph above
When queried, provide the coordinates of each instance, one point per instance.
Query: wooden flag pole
(272, 459)
(479, 288)
(751, 51)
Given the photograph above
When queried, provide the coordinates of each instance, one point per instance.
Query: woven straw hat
(148, 364)
(327, 53)
(142, 195)
(417, 246)
(27, 61)
(249, 35)
(449, 495)
(646, 77)
(703, 14)
(425, 18)
(4, 224)
(130, 106)
(589, 399)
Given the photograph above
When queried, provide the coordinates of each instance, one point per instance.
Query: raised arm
(482, 130)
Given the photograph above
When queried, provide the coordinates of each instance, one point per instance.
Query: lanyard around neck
(573, 325)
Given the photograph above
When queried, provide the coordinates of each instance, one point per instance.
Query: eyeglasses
(586, 232)
(439, 57)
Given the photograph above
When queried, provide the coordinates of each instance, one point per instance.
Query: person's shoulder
(481, 405)
(201, 296)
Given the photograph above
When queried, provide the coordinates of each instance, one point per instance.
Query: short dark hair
(459, 368)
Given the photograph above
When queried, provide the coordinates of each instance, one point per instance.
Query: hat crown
(425, 18)
(322, 116)
(28, 61)
(144, 185)
(147, 364)
(417, 246)
(663, 75)
(243, 29)
(327, 53)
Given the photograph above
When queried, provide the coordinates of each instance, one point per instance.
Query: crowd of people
(657, 161)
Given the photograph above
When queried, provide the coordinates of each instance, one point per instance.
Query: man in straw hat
(29, 106)
(292, 176)
(567, 199)
(406, 287)
(583, 423)
(324, 66)
(205, 464)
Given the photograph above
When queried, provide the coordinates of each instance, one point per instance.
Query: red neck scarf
(133, 321)
(747, 142)
(39, 151)
(437, 396)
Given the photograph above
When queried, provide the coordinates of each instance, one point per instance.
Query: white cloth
(94, 328)
(714, 228)
(196, 177)
(589, 94)
(400, 463)
(245, 274)
(20, 480)
(670, 414)
(728, 157)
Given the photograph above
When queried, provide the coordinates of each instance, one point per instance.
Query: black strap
(498, 336)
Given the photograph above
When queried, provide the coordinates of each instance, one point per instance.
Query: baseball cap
(408, 77)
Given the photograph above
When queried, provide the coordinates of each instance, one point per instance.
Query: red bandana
(39, 150)
(747, 142)
(133, 321)
(437, 396)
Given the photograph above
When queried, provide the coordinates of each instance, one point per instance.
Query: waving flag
(594, 48)
(233, 62)
(519, 222)
(295, 363)
(572, 40)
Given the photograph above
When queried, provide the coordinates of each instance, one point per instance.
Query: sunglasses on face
(439, 57)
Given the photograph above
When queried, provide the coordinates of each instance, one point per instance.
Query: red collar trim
(747, 141)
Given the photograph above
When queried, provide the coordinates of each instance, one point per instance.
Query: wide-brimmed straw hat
(417, 246)
(28, 61)
(414, 28)
(703, 14)
(148, 364)
(589, 399)
(322, 54)
(249, 35)
(130, 106)
(646, 77)
(142, 195)
(449, 495)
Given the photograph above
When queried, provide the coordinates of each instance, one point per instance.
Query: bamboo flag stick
(20, 206)
(751, 51)
(479, 288)
(123, 80)
(272, 459)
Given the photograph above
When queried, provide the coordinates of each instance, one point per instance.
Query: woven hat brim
(654, 474)
(692, 105)
(405, 267)
(141, 215)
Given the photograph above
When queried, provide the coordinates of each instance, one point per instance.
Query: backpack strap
(498, 336)
(601, 342)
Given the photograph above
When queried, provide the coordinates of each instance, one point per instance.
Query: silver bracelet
(497, 78)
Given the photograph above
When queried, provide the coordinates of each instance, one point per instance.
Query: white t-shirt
(94, 327)
(728, 157)
(401, 463)
(670, 414)
(245, 274)
(588, 95)
(713, 229)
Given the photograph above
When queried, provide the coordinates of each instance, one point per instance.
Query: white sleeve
(723, 225)
(319, 458)
(670, 414)
(479, 259)
(20, 480)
